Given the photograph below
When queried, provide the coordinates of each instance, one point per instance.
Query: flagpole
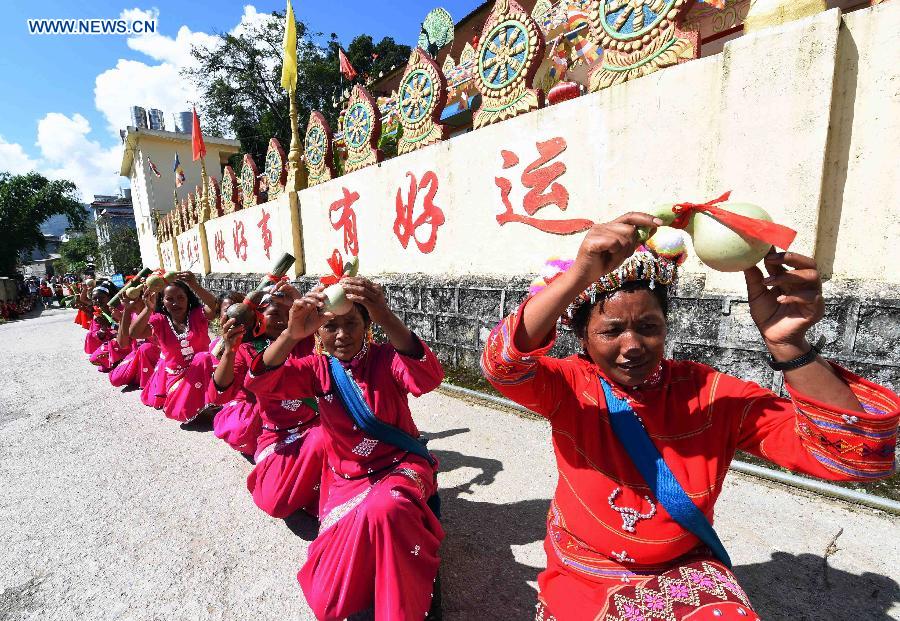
(204, 192)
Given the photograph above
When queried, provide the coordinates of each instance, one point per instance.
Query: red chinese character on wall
(540, 177)
(263, 225)
(239, 238)
(346, 220)
(405, 226)
(219, 244)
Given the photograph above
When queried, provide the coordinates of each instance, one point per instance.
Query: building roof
(133, 135)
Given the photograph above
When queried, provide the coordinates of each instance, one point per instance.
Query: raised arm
(210, 303)
(784, 306)
(140, 329)
(123, 338)
(303, 320)
(604, 248)
(232, 335)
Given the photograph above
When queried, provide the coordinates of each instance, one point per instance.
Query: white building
(141, 147)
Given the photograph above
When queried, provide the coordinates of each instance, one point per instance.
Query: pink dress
(138, 366)
(378, 540)
(95, 337)
(284, 433)
(186, 365)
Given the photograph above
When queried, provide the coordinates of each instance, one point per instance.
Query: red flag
(197, 138)
(346, 68)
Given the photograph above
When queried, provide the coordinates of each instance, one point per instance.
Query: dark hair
(193, 300)
(106, 284)
(582, 315)
(234, 296)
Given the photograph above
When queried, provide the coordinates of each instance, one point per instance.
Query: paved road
(110, 511)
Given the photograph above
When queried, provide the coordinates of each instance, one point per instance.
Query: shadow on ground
(480, 576)
(803, 588)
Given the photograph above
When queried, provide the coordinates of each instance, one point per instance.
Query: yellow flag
(289, 66)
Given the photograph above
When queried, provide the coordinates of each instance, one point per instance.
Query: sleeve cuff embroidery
(858, 444)
(502, 363)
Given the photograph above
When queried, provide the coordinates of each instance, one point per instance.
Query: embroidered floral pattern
(674, 594)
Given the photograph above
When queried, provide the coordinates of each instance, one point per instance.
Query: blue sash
(356, 406)
(663, 484)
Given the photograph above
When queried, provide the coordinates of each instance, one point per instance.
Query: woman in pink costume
(180, 324)
(280, 432)
(378, 541)
(141, 356)
(101, 328)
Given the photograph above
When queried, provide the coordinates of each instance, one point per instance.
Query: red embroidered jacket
(697, 417)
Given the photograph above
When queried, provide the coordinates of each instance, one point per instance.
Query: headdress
(657, 263)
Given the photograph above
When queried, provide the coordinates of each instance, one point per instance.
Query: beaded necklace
(186, 350)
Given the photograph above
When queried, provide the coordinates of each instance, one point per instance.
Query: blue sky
(64, 97)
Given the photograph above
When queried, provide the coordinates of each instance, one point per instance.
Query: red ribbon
(275, 279)
(260, 328)
(763, 230)
(336, 263)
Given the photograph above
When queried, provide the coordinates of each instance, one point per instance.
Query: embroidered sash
(653, 468)
(352, 398)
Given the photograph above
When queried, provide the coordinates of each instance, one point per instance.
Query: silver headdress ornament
(657, 263)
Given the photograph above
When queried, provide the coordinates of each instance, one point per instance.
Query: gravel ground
(110, 511)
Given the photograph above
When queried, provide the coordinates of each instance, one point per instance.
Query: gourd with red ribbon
(728, 237)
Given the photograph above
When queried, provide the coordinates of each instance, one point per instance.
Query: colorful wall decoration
(318, 150)
(276, 169)
(421, 98)
(362, 129)
(509, 52)
(638, 37)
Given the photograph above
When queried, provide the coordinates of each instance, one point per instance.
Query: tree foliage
(122, 252)
(26, 201)
(240, 80)
(79, 253)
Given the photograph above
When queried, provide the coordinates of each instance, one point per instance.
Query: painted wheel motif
(248, 182)
(273, 168)
(416, 96)
(630, 19)
(504, 57)
(357, 125)
(315, 146)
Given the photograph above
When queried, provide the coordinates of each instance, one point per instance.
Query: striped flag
(179, 172)
(153, 168)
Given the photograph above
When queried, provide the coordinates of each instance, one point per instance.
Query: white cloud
(14, 160)
(65, 149)
(67, 153)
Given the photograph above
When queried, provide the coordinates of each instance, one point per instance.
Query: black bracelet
(800, 361)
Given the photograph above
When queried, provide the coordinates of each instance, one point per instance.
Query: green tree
(80, 252)
(240, 80)
(26, 201)
(123, 250)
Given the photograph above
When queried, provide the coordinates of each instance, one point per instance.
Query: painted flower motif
(679, 590)
(633, 613)
(654, 601)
